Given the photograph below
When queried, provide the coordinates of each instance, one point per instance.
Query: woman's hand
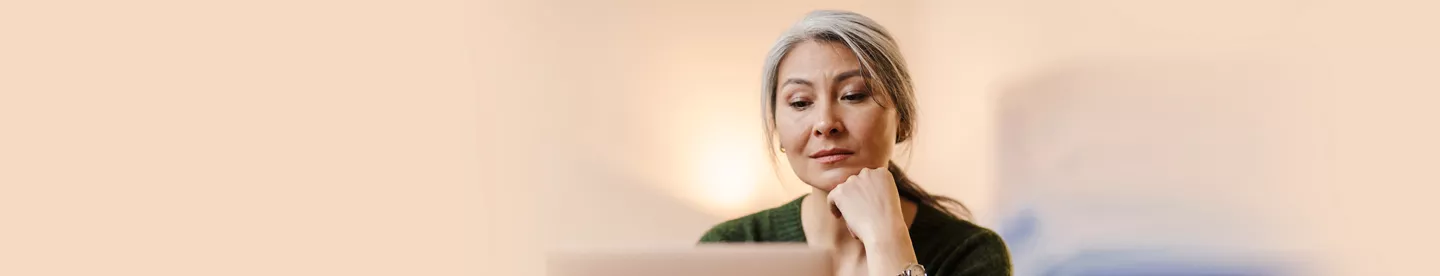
(870, 206)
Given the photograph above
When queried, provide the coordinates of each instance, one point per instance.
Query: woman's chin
(826, 188)
(829, 179)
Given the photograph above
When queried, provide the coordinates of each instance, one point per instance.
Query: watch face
(915, 270)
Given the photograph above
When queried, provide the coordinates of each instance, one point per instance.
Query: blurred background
(1107, 137)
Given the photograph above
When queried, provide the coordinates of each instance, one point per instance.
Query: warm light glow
(725, 171)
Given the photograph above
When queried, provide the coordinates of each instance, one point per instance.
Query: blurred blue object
(1020, 231)
(1138, 263)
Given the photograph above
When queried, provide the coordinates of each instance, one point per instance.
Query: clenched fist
(870, 205)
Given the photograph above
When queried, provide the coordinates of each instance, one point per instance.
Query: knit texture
(945, 245)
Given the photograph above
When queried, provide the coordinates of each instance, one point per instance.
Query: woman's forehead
(814, 59)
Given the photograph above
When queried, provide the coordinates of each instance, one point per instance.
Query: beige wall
(337, 137)
(237, 138)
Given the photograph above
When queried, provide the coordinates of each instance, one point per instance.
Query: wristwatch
(913, 270)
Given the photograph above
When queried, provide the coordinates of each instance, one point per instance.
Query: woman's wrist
(889, 261)
(891, 253)
(891, 231)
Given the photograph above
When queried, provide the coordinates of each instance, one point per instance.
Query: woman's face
(830, 123)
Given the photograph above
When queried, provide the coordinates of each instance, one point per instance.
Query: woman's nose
(827, 127)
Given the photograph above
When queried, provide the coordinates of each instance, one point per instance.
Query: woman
(844, 100)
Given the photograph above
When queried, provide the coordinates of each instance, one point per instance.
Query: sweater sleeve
(716, 234)
(736, 230)
(982, 254)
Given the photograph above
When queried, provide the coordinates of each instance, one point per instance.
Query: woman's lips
(833, 158)
(832, 155)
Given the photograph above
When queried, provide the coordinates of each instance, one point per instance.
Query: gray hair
(884, 68)
(879, 57)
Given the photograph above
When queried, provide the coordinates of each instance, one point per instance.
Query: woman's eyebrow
(796, 81)
(847, 75)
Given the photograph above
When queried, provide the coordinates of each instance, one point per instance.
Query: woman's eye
(799, 104)
(853, 97)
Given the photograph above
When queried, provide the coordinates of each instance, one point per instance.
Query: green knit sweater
(944, 244)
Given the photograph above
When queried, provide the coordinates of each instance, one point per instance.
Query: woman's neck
(822, 228)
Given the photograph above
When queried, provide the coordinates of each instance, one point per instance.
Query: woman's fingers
(834, 193)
